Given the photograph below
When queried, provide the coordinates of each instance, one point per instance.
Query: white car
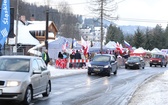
(23, 77)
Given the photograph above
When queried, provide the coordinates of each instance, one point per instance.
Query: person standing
(78, 56)
(45, 57)
(60, 55)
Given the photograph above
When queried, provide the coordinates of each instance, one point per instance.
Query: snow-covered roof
(24, 37)
(156, 50)
(37, 25)
(139, 50)
(111, 44)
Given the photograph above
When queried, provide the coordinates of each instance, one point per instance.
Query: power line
(143, 20)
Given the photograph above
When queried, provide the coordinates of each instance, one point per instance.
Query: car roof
(19, 56)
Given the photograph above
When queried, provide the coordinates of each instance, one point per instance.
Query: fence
(71, 63)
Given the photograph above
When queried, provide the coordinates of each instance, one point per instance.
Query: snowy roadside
(55, 72)
(153, 92)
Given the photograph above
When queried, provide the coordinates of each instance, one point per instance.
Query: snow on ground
(56, 72)
(154, 92)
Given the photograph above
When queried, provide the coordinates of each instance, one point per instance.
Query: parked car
(158, 59)
(135, 62)
(23, 77)
(103, 64)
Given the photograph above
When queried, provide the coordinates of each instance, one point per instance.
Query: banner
(4, 22)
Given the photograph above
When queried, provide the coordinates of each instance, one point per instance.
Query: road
(97, 90)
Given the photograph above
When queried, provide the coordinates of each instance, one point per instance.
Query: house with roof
(30, 34)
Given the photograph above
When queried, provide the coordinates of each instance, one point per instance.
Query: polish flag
(85, 46)
(119, 48)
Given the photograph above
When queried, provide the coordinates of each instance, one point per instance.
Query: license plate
(0, 91)
(96, 69)
(130, 64)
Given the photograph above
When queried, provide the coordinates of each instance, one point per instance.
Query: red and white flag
(119, 48)
(85, 46)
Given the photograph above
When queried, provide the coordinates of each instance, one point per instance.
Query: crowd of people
(64, 56)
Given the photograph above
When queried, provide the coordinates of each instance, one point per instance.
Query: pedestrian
(45, 57)
(60, 55)
(78, 56)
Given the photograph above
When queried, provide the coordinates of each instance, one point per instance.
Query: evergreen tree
(166, 37)
(114, 34)
(138, 38)
(148, 39)
(158, 37)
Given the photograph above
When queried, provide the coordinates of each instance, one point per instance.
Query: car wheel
(48, 90)
(126, 67)
(139, 67)
(108, 73)
(115, 72)
(143, 67)
(165, 64)
(89, 73)
(155, 65)
(161, 65)
(28, 96)
(150, 65)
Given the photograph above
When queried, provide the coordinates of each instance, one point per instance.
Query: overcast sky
(130, 12)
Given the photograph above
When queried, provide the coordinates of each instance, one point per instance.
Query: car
(103, 64)
(135, 62)
(23, 77)
(158, 59)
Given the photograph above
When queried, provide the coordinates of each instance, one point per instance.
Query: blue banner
(4, 22)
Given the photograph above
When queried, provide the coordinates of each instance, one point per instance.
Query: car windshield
(157, 56)
(14, 64)
(101, 58)
(133, 59)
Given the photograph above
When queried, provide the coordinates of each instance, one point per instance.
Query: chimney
(32, 18)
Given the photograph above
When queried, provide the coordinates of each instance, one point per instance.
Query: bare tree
(68, 21)
(103, 9)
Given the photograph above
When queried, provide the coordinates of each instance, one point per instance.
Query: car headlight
(12, 83)
(106, 66)
(126, 62)
(137, 63)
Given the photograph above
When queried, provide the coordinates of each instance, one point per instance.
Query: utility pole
(47, 18)
(17, 19)
(101, 25)
(46, 38)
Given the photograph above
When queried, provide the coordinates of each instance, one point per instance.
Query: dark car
(103, 64)
(158, 59)
(135, 62)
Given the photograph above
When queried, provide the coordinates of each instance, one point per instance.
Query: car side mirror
(36, 72)
(112, 61)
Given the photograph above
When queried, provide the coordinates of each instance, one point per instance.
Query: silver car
(23, 77)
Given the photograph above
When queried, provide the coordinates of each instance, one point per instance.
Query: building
(30, 33)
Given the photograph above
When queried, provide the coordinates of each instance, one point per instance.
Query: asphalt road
(96, 90)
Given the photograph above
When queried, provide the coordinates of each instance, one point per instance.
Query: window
(35, 65)
(15, 64)
(41, 64)
(101, 58)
